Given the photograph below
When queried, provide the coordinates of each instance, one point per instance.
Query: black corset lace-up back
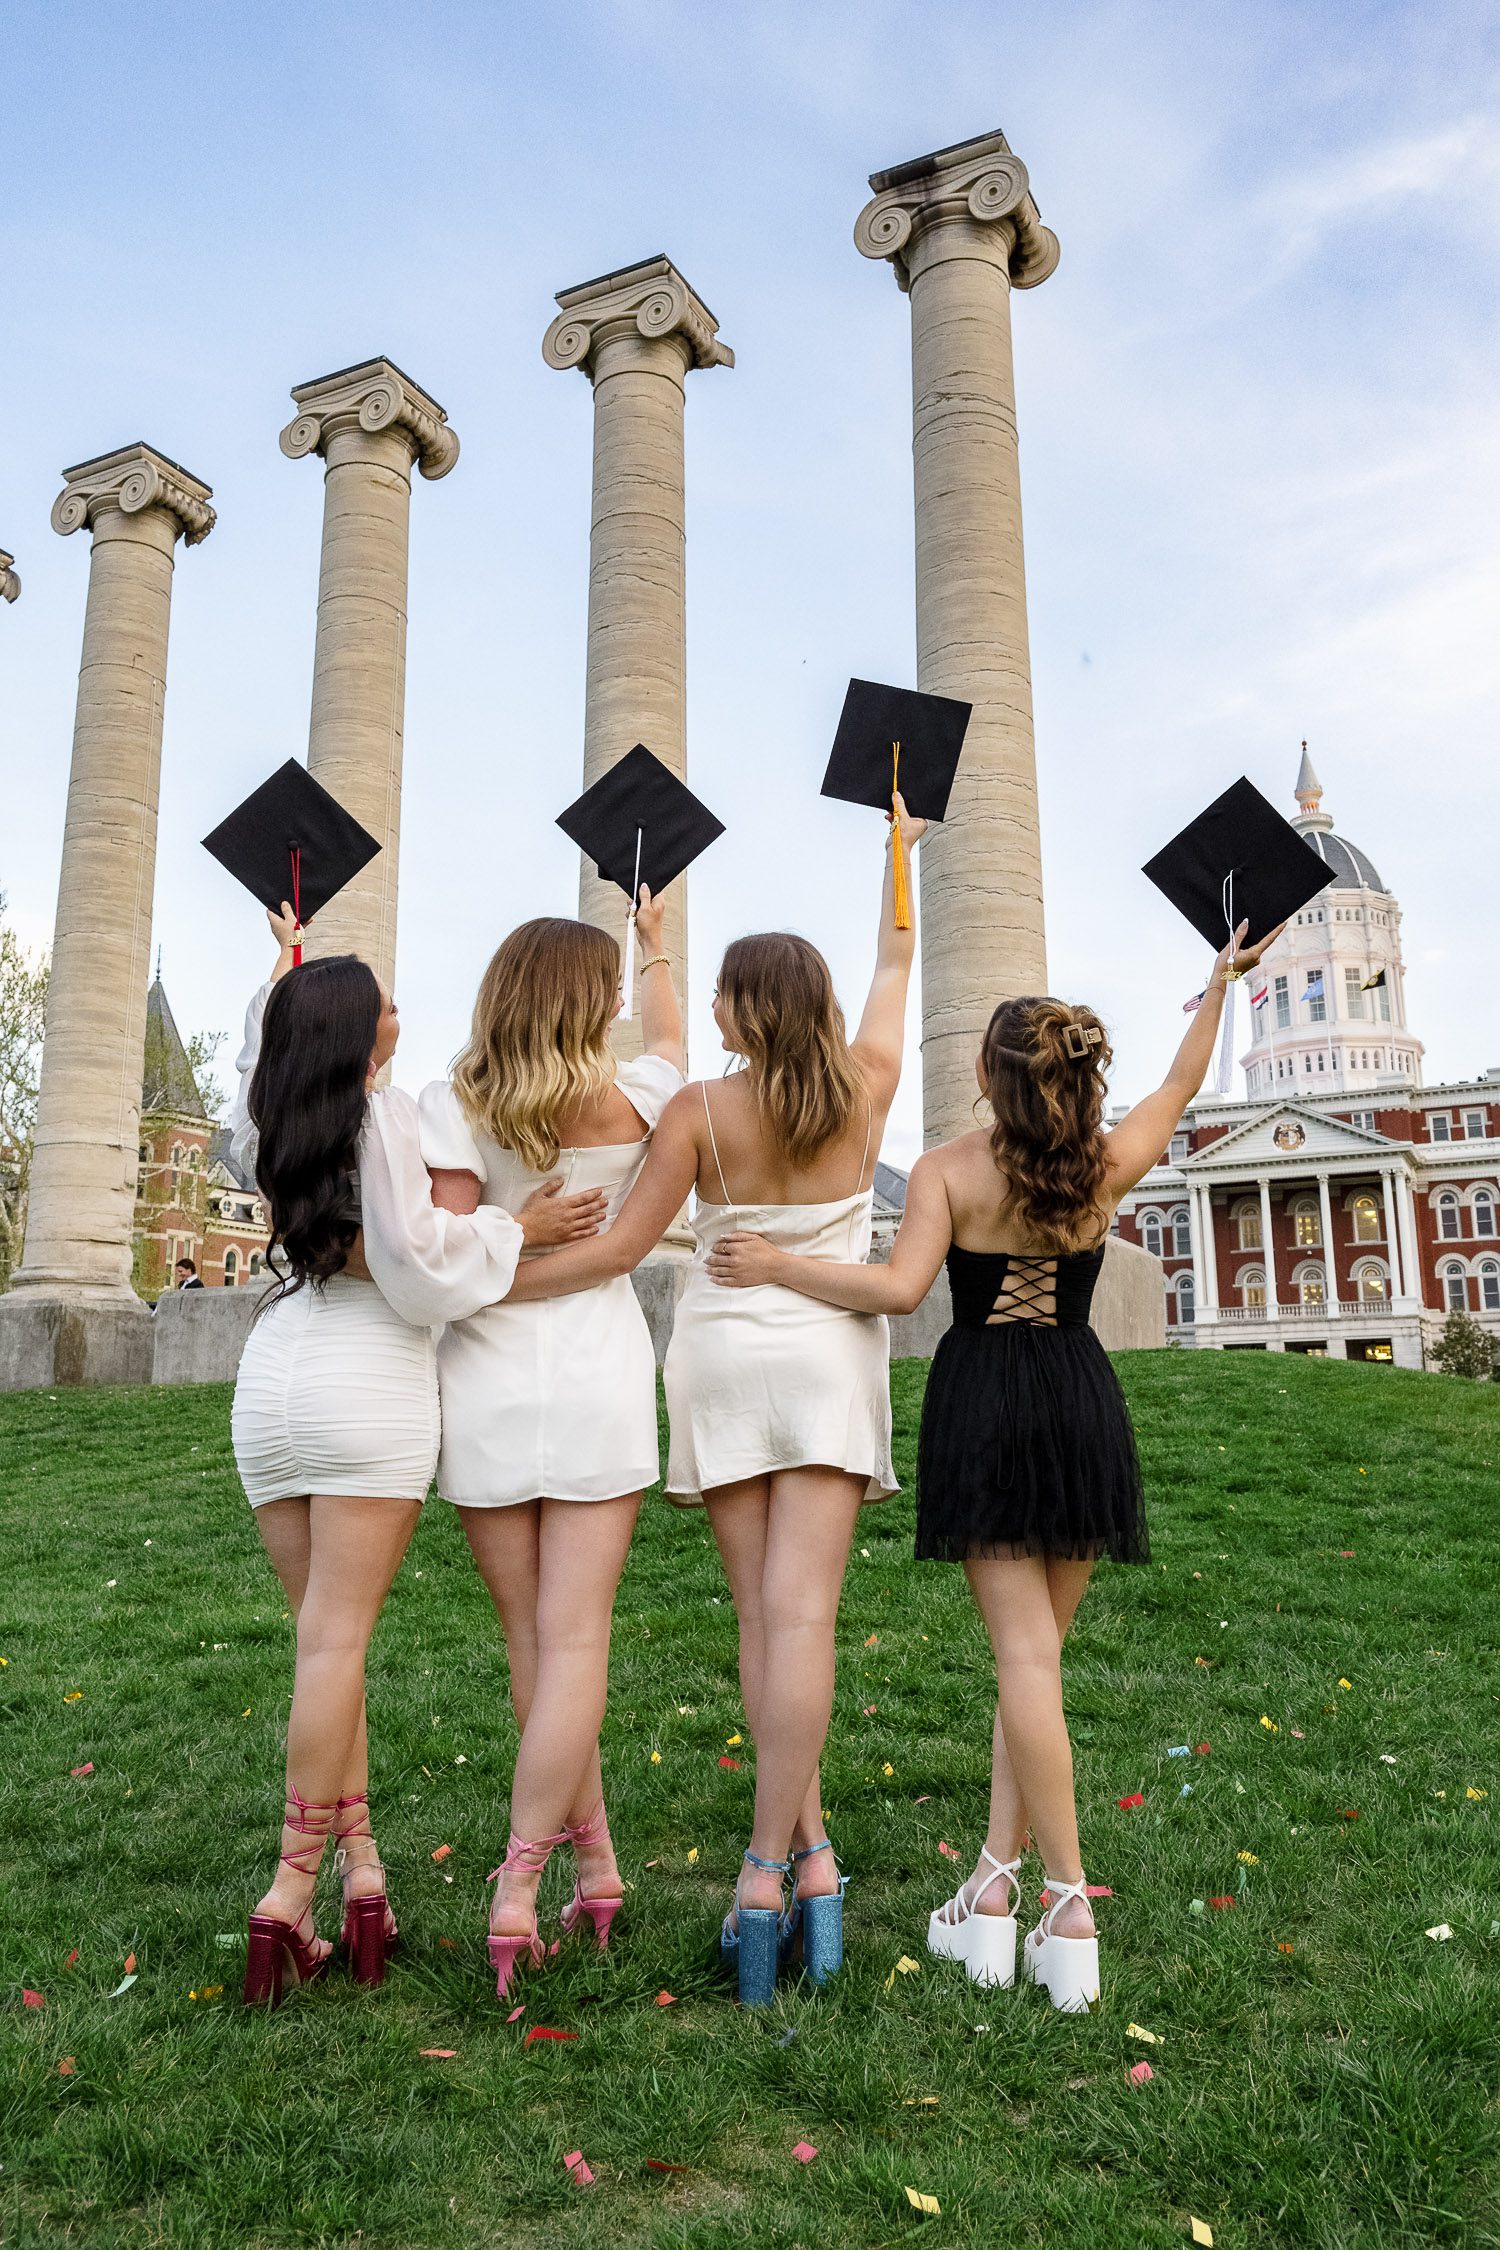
(1026, 1444)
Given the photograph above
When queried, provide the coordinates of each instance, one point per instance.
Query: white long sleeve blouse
(431, 1266)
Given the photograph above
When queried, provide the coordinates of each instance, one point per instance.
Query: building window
(1311, 1289)
(1247, 1221)
(1179, 1147)
(1450, 1226)
(1366, 1218)
(1308, 1224)
(1484, 1214)
(231, 1266)
(1489, 1286)
(1440, 1125)
(1151, 1233)
(1182, 1233)
(257, 1263)
(1283, 1005)
(1383, 997)
(1186, 1300)
(1317, 1006)
(1354, 999)
(1253, 1289)
(1474, 1125)
(1364, 1118)
(1455, 1293)
(1371, 1284)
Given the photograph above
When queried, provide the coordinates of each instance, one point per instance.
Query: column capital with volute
(949, 203)
(641, 305)
(129, 483)
(372, 397)
(10, 584)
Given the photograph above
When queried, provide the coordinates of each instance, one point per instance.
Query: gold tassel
(903, 900)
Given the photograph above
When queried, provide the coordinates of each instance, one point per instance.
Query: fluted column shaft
(370, 424)
(83, 1174)
(962, 230)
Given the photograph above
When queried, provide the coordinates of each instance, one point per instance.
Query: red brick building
(191, 1200)
(1341, 1207)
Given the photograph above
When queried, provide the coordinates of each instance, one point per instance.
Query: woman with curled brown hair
(779, 1405)
(1027, 1469)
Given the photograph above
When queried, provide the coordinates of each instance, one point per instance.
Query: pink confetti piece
(922, 1800)
(1128, 1804)
(1139, 2073)
(516, 2013)
(32, 1999)
(1097, 1890)
(67, 2066)
(440, 2054)
(666, 1999)
(869, 1711)
(1346, 1554)
(1298, 1735)
(577, 2171)
(804, 2152)
(76, 1773)
(947, 1851)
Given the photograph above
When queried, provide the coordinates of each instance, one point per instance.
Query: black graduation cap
(1238, 862)
(892, 740)
(291, 840)
(639, 824)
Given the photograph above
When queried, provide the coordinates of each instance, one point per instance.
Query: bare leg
(356, 1548)
(582, 1547)
(739, 1515)
(809, 1524)
(1014, 1598)
(506, 1545)
(1006, 1836)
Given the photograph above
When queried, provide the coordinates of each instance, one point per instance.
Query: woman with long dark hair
(335, 1417)
(549, 1409)
(780, 1409)
(1027, 1469)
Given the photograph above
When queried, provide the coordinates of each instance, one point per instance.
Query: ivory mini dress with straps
(764, 1379)
(1026, 1445)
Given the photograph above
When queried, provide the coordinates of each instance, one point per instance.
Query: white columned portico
(1268, 1247)
(1330, 1264)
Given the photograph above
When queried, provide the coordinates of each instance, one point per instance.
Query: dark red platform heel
(284, 1953)
(370, 1933)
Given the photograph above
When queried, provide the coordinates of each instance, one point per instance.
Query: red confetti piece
(447, 1944)
(804, 2152)
(1221, 1903)
(130, 1964)
(655, 2164)
(540, 2031)
(873, 1641)
(1097, 1890)
(1351, 1814)
(666, 1999)
(72, 1957)
(76, 1773)
(440, 2054)
(442, 1853)
(732, 1763)
(67, 2066)
(516, 2013)
(1139, 2072)
(1203, 1749)
(1282, 1946)
(33, 1999)
(1346, 1554)
(869, 1710)
(1128, 1804)
(577, 2171)
(947, 1851)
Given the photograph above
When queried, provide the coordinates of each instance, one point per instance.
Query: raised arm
(665, 1183)
(749, 1261)
(881, 1036)
(661, 1016)
(243, 1138)
(1140, 1137)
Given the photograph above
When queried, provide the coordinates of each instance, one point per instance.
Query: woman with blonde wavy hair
(780, 1407)
(1027, 1469)
(549, 1410)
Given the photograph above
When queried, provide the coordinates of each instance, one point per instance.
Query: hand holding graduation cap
(1236, 958)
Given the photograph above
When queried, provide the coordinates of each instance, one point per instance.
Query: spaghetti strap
(729, 1202)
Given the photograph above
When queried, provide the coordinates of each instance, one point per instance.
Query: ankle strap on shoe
(351, 1826)
(808, 1850)
(1009, 1868)
(530, 1858)
(584, 1834)
(769, 1866)
(1059, 1894)
(314, 1821)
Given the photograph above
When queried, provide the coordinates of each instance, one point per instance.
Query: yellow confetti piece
(1203, 1663)
(209, 1992)
(921, 2202)
(1202, 2232)
(656, 1757)
(888, 1771)
(1476, 1795)
(920, 2101)
(907, 1965)
(1269, 1724)
(74, 1695)
(1247, 1859)
(733, 1741)
(1346, 1683)
(4, 1663)
(693, 1857)
(1139, 2031)
(246, 1712)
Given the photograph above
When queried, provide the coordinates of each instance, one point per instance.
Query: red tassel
(297, 903)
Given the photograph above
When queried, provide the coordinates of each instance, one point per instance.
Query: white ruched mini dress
(764, 1379)
(337, 1389)
(554, 1399)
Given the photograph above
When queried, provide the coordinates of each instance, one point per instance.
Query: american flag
(1190, 1007)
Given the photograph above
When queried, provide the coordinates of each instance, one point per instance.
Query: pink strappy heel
(506, 1950)
(282, 1953)
(582, 1834)
(369, 1933)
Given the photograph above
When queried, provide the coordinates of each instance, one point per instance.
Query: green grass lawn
(1326, 2072)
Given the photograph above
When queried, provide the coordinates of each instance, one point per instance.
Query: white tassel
(627, 1000)
(1226, 1042)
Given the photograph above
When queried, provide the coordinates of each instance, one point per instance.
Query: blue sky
(1260, 444)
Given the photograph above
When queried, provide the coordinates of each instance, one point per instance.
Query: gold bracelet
(657, 961)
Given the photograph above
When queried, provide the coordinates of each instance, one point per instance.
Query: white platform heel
(985, 1943)
(1066, 1968)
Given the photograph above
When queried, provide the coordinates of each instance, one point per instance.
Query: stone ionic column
(137, 504)
(369, 423)
(961, 231)
(636, 334)
(10, 584)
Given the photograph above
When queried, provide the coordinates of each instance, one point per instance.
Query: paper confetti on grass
(1283, 1946)
(873, 1641)
(1350, 1812)
(692, 1857)
(208, 1992)
(1203, 1749)
(76, 1773)
(72, 1957)
(444, 1851)
(1476, 1796)
(30, 1999)
(733, 1764)
(129, 1963)
(577, 2171)
(540, 2031)
(867, 1711)
(1441, 1932)
(1128, 1804)
(439, 2054)
(1247, 1859)
(666, 1999)
(123, 1986)
(947, 1851)
(1346, 1683)
(925, 2203)
(1221, 1904)
(1202, 2232)
(1195, 1906)
(67, 2066)
(1180, 1750)
(1139, 2072)
(1269, 1724)
(516, 2013)
(904, 1967)
(74, 1695)
(1139, 2031)
(920, 2101)
(655, 2164)
(733, 1741)
(804, 2152)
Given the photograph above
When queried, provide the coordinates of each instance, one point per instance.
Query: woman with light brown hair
(549, 1409)
(1027, 1469)
(780, 1407)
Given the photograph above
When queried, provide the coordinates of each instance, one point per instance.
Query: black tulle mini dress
(1026, 1446)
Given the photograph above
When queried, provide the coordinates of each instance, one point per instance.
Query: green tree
(202, 1049)
(1464, 1348)
(23, 1009)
